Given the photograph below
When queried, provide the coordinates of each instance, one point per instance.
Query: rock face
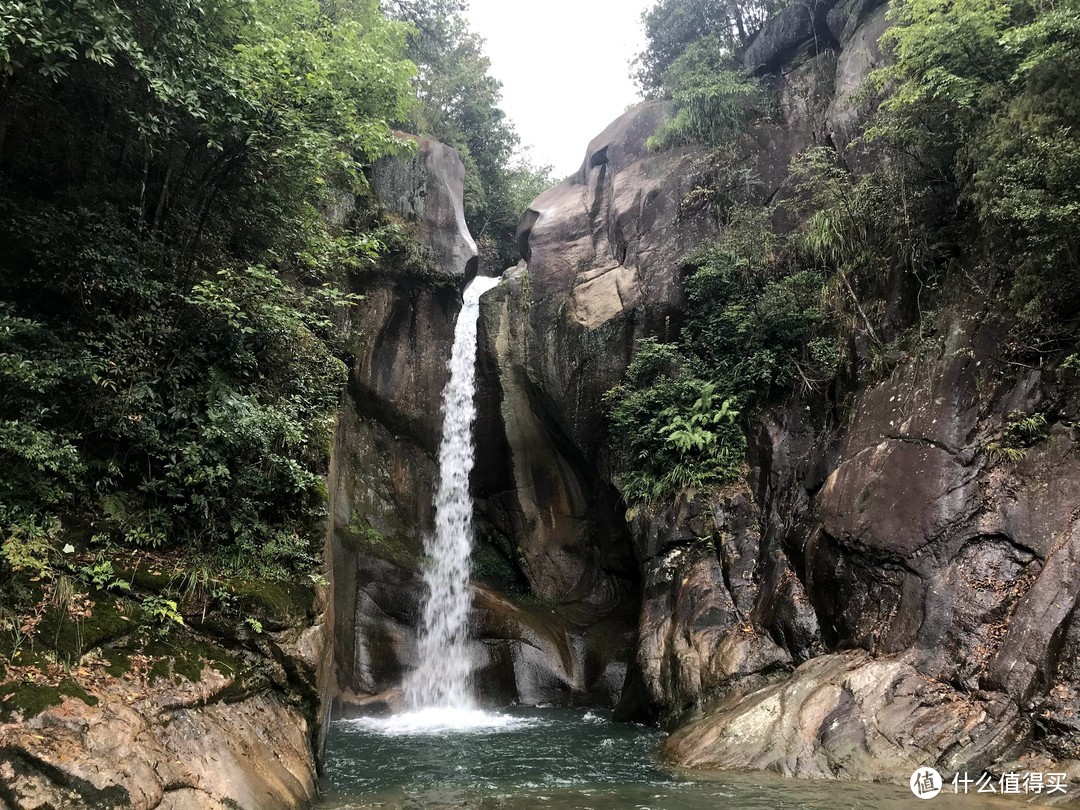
(384, 474)
(603, 250)
(222, 725)
(918, 551)
(166, 748)
(883, 591)
(428, 190)
(838, 716)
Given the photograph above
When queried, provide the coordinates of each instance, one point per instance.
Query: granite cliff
(881, 591)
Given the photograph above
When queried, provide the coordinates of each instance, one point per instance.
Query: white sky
(564, 65)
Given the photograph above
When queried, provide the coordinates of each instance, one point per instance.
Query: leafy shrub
(673, 26)
(753, 326)
(1022, 431)
(983, 94)
(712, 97)
(168, 283)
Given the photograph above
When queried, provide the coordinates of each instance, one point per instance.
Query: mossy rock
(184, 657)
(110, 619)
(276, 605)
(30, 700)
(397, 547)
(149, 581)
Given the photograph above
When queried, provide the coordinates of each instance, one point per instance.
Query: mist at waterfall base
(444, 751)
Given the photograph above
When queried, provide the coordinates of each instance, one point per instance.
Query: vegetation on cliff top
(459, 105)
(974, 135)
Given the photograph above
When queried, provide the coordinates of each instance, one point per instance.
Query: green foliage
(693, 57)
(873, 235)
(754, 326)
(102, 577)
(161, 615)
(673, 26)
(669, 430)
(1022, 431)
(723, 186)
(712, 97)
(37, 453)
(169, 287)
(983, 95)
(28, 547)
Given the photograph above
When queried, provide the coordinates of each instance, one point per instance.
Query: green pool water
(559, 758)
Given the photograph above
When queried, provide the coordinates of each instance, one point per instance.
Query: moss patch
(31, 699)
(185, 657)
(71, 638)
(274, 604)
(119, 663)
(363, 538)
(144, 579)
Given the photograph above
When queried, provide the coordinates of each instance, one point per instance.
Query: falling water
(441, 681)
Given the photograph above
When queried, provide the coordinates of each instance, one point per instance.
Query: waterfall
(442, 678)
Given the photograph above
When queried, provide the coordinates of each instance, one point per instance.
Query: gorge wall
(881, 592)
(384, 474)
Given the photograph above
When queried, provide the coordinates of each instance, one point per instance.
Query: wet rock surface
(571, 648)
(523, 651)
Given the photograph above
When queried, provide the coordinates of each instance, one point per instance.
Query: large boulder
(798, 29)
(852, 716)
(427, 190)
(860, 56)
(714, 607)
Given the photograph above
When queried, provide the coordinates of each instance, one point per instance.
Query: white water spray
(441, 681)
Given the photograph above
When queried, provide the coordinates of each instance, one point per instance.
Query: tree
(713, 98)
(983, 91)
(167, 363)
(672, 26)
(459, 105)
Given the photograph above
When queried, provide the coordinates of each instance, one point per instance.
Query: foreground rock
(148, 747)
(189, 722)
(852, 716)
